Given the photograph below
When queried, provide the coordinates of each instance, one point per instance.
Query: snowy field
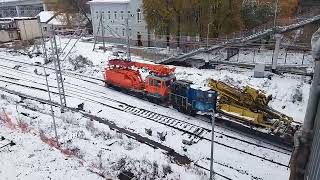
(99, 152)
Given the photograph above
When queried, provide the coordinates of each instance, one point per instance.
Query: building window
(122, 15)
(129, 13)
(45, 29)
(139, 15)
(115, 15)
(109, 15)
(123, 30)
(10, 35)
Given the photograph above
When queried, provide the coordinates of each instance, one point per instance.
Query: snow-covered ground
(101, 149)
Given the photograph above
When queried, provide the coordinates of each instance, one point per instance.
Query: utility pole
(103, 32)
(275, 14)
(57, 67)
(47, 83)
(207, 61)
(208, 57)
(128, 36)
(275, 56)
(213, 117)
(304, 160)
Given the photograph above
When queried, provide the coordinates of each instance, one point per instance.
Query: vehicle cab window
(157, 83)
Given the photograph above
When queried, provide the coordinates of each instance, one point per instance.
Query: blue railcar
(203, 101)
(189, 99)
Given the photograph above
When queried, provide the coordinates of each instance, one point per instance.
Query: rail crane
(160, 86)
(246, 106)
(125, 75)
(250, 106)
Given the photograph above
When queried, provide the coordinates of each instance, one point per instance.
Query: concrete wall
(29, 29)
(6, 36)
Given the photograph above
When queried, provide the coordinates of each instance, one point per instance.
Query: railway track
(151, 115)
(100, 82)
(179, 158)
(195, 132)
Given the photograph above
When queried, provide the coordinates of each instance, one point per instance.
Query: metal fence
(286, 57)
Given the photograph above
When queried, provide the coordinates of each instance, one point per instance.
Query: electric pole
(275, 13)
(213, 117)
(46, 77)
(128, 36)
(57, 67)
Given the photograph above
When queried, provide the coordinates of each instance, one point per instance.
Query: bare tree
(70, 8)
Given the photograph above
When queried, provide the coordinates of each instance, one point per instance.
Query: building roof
(46, 16)
(17, 18)
(52, 18)
(109, 1)
(58, 20)
(5, 3)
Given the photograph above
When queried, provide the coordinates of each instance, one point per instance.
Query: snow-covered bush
(69, 118)
(166, 170)
(119, 135)
(90, 126)
(130, 145)
(297, 95)
(80, 62)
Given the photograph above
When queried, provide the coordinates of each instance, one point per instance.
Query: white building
(24, 8)
(19, 28)
(109, 21)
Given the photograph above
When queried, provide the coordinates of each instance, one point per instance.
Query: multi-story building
(18, 8)
(109, 21)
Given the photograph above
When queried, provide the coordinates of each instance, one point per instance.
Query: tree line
(192, 17)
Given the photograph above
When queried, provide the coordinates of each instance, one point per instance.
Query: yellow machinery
(249, 105)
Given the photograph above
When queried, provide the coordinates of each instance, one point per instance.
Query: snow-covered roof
(109, 1)
(20, 2)
(11, 19)
(58, 21)
(52, 18)
(45, 16)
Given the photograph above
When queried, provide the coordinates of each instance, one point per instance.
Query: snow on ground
(290, 94)
(174, 138)
(94, 147)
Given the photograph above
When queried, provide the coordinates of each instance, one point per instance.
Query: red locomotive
(125, 75)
